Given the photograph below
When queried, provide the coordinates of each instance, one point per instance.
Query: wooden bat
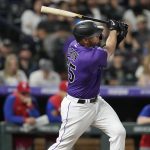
(65, 13)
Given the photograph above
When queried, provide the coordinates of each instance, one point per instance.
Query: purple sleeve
(101, 57)
(97, 58)
(145, 111)
(8, 111)
(51, 117)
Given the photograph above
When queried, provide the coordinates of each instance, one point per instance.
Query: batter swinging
(83, 107)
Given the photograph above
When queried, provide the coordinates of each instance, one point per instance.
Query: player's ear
(83, 42)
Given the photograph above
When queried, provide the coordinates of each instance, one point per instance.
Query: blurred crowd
(33, 45)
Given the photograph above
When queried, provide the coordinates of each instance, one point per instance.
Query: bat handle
(97, 20)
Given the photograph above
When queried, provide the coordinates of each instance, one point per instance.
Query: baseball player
(20, 107)
(144, 118)
(83, 106)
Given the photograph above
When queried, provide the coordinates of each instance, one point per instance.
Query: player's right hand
(123, 30)
(30, 121)
(113, 25)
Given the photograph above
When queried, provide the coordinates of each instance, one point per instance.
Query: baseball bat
(65, 13)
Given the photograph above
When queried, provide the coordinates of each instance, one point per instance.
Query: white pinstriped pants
(76, 118)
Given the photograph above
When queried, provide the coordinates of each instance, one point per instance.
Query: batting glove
(113, 25)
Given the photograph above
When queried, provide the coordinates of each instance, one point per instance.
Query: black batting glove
(123, 30)
(113, 25)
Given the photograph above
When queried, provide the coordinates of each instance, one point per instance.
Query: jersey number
(71, 68)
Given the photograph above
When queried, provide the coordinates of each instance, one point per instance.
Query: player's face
(94, 41)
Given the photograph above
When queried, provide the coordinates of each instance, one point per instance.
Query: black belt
(92, 100)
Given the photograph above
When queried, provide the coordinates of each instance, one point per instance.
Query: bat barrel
(65, 13)
(59, 12)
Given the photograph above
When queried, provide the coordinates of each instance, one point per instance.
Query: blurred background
(33, 49)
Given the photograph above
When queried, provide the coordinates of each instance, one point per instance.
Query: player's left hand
(113, 25)
(123, 30)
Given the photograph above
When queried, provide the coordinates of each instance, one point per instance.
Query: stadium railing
(7, 130)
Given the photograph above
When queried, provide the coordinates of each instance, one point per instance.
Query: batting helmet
(86, 29)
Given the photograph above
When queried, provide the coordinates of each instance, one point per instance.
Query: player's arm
(111, 42)
(112, 38)
(118, 31)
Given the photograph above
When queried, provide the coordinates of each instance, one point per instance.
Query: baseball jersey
(85, 67)
(145, 140)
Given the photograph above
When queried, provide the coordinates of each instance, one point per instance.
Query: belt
(82, 101)
(92, 100)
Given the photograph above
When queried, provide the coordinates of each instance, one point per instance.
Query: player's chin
(95, 43)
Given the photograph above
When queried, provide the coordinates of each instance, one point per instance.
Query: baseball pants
(76, 119)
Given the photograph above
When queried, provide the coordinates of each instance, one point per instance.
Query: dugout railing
(8, 130)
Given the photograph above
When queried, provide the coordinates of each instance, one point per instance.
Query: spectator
(93, 9)
(31, 18)
(132, 50)
(145, 4)
(144, 118)
(53, 44)
(118, 71)
(45, 76)
(130, 43)
(5, 49)
(54, 102)
(134, 10)
(26, 60)
(20, 107)
(143, 72)
(114, 10)
(12, 75)
(143, 33)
